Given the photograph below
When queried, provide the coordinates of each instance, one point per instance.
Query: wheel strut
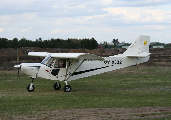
(66, 82)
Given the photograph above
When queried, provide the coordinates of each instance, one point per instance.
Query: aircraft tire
(56, 86)
(67, 88)
(30, 90)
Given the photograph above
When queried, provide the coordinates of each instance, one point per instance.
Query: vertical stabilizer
(141, 45)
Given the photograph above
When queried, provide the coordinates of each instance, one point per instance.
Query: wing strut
(67, 66)
(67, 88)
(73, 71)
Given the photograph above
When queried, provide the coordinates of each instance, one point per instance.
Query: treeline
(70, 43)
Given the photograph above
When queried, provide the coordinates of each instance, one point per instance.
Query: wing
(39, 54)
(76, 56)
(67, 55)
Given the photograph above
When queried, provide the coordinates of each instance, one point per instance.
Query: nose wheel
(31, 87)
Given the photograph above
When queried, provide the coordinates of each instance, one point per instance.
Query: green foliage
(70, 43)
(3, 42)
(115, 42)
(168, 45)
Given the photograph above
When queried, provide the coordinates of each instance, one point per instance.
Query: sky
(103, 20)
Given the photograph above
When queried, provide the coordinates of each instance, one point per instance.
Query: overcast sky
(102, 19)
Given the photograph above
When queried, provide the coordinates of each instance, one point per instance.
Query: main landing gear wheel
(57, 86)
(67, 88)
(30, 87)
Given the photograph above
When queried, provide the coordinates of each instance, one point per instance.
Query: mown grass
(125, 88)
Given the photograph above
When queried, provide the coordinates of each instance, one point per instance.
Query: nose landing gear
(31, 87)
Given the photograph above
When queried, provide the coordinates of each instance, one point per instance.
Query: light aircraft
(71, 66)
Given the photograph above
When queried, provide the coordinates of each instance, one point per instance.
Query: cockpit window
(48, 61)
(60, 63)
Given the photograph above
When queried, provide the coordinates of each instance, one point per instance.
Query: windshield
(48, 60)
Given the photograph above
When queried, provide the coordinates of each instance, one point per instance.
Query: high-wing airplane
(71, 66)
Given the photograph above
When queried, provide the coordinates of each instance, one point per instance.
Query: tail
(140, 48)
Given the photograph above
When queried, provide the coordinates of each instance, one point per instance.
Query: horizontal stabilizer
(141, 55)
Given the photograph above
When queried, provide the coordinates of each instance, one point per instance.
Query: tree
(94, 43)
(23, 43)
(15, 43)
(3, 42)
(105, 44)
(115, 42)
(70, 43)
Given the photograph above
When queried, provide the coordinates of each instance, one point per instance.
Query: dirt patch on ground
(102, 113)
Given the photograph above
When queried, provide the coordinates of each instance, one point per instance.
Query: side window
(60, 63)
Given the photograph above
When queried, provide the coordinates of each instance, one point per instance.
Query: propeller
(18, 67)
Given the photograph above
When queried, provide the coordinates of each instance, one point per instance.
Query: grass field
(130, 87)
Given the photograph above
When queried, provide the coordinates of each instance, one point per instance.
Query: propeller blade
(18, 73)
(17, 66)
